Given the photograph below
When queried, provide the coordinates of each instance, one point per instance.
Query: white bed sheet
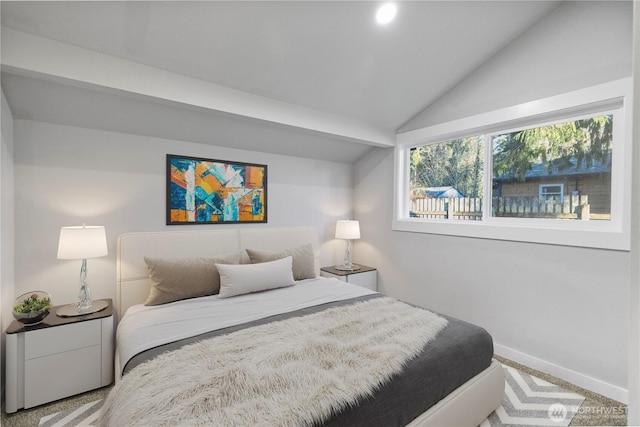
(144, 327)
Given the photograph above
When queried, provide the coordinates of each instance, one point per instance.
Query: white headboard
(131, 271)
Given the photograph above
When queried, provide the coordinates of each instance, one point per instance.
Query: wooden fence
(469, 208)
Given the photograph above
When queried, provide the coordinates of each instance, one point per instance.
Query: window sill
(602, 236)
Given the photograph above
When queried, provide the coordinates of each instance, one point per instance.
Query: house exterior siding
(596, 186)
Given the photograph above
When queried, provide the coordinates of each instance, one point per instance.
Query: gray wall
(69, 176)
(561, 309)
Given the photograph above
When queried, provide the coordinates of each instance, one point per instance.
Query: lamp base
(71, 310)
(353, 267)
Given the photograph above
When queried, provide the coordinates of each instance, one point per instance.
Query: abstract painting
(207, 191)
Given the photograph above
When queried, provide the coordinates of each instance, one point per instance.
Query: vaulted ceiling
(314, 78)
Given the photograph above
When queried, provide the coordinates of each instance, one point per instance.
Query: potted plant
(32, 307)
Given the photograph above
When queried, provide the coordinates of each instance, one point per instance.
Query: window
(558, 173)
(447, 179)
(551, 194)
(533, 166)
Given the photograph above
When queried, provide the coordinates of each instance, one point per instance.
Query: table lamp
(82, 242)
(348, 230)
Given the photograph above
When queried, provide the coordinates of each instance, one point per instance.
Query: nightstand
(57, 358)
(367, 277)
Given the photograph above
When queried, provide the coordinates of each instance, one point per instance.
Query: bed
(437, 371)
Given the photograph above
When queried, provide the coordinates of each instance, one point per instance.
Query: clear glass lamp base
(72, 310)
(347, 265)
(84, 305)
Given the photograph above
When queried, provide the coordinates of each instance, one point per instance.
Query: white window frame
(545, 194)
(608, 98)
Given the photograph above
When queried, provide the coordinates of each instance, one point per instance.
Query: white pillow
(246, 278)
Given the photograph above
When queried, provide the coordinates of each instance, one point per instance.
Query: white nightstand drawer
(44, 342)
(61, 375)
(368, 279)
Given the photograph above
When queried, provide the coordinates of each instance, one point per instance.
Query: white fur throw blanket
(292, 372)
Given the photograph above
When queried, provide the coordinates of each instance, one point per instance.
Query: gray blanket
(459, 352)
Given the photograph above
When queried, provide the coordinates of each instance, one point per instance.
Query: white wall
(564, 310)
(6, 229)
(69, 176)
(579, 44)
(634, 329)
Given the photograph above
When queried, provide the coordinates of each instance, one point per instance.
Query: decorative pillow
(304, 265)
(246, 278)
(173, 279)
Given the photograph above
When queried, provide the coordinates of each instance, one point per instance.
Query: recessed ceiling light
(386, 13)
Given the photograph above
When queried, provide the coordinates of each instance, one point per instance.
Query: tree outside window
(556, 171)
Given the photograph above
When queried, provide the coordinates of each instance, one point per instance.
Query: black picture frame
(212, 191)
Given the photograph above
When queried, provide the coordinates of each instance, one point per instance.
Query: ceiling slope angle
(311, 73)
(39, 58)
(69, 105)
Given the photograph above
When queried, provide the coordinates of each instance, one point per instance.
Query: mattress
(459, 352)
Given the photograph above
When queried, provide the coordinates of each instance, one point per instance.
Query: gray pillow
(174, 279)
(304, 265)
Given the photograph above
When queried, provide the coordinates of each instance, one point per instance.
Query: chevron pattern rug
(528, 401)
(85, 415)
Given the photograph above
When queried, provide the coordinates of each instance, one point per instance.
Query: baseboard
(597, 386)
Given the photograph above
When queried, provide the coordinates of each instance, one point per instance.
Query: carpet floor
(31, 417)
(592, 410)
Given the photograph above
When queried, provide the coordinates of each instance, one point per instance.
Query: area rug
(528, 401)
(82, 416)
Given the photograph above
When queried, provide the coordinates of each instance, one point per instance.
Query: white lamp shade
(348, 229)
(82, 242)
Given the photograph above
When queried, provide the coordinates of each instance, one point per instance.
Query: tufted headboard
(131, 271)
